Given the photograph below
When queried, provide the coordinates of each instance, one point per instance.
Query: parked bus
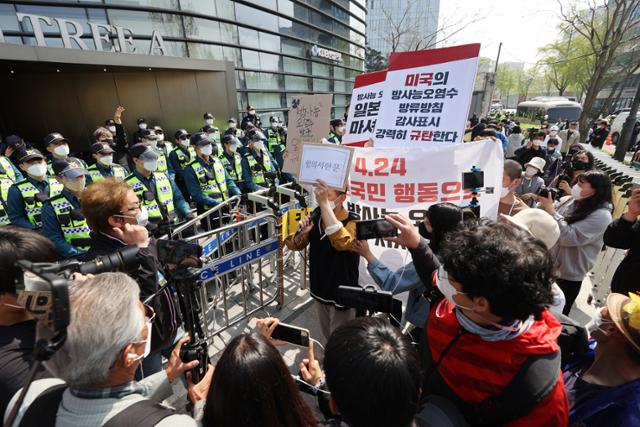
(553, 107)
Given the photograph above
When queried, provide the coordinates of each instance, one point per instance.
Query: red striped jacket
(476, 369)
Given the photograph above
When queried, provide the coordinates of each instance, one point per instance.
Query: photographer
(583, 218)
(330, 232)
(532, 149)
(492, 342)
(580, 162)
(17, 327)
(117, 219)
(107, 339)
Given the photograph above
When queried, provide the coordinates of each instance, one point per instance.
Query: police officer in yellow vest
(206, 178)
(25, 198)
(257, 162)
(62, 221)
(338, 129)
(158, 193)
(165, 146)
(214, 137)
(58, 148)
(232, 160)
(275, 141)
(9, 175)
(104, 166)
(180, 157)
(149, 137)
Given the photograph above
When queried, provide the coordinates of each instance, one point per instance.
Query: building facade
(402, 25)
(278, 48)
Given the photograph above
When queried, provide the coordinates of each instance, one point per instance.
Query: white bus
(554, 108)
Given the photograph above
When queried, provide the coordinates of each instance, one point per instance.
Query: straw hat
(625, 313)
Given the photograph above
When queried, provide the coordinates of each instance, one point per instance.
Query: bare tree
(604, 24)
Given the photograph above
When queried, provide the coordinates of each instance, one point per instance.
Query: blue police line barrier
(226, 265)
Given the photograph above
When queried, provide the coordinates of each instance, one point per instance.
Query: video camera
(370, 300)
(474, 181)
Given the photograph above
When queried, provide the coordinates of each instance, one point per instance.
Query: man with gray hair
(107, 339)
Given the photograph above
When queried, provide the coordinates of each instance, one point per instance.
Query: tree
(627, 129)
(505, 81)
(605, 26)
(373, 60)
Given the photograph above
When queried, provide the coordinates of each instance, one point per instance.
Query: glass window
(145, 23)
(321, 85)
(224, 9)
(271, 4)
(285, 7)
(291, 65)
(339, 73)
(250, 59)
(256, 17)
(263, 80)
(340, 100)
(242, 101)
(228, 33)
(203, 29)
(320, 69)
(172, 48)
(74, 13)
(339, 86)
(168, 4)
(296, 83)
(205, 51)
(285, 26)
(269, 62)
(8, 19)
(264, 100)
(301, 12)
(293, 47)
(232, 54)
(269, 42)
(247, 36)
(338, 112)
(240, 81)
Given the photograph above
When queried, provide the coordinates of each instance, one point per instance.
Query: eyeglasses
(149, 314)
(134, 208)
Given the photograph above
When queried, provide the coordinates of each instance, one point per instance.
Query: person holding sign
(338, 129)
(330, 233)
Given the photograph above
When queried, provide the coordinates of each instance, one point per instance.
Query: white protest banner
(309, 118)
(327, 162)
(426, 97)
(364, 108)
(409, 180)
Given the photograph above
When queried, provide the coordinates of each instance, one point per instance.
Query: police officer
(209, 120)
(252, 118)
(58, 148)
(154, 189)
(142, 125)
(180, 157)
(206, 178)
(149, 137)
(213, 134)
(25, 198)
(9, 175)
(232, 127)
(232, 160)
(163, 144)
(338, 129)
(275, 142)
(256, 162)
(62, 220)
(104, 166)
(13, 145)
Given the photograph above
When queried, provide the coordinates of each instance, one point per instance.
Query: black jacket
(145, 274)
(623, 234)
(524, 154)
(255, 120)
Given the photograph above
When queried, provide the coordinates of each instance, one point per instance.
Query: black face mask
(551, 150)
(578, 165)
(422, 229)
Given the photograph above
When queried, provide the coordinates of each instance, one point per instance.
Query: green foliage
(374, 61)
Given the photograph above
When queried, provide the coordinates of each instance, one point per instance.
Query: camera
(375, 229)
(544, 192)
(370, 300)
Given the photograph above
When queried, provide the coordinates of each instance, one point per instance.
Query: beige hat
(625, 311)
(538, 223)
(537, 162)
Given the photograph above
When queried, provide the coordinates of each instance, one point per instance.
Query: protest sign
(327, 162)
(409, 180)
(291, 219)
(426, 97)
(309, 118)
(364, 108)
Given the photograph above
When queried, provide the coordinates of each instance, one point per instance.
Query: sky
(522, 25)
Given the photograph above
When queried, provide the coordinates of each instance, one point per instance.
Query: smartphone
(375, 229)
(291, 334)
(472, 180)
(174, 251)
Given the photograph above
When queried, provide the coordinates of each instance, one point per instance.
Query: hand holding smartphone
(375, 229)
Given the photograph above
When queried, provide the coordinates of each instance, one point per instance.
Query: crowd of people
(488, 339)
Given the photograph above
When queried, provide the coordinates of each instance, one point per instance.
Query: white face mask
(150, 165)
(62, 150)
(209, 122)
(142, 126)
(76, 185)
(232, 125)
(106, 160)
(576, 192)
(504, 192)
(274, 125)
(233, 148)
(259, 145)
(112, 129)
(153, 142)
(161, 137)
(147, 345)
(447, 289)
(252, 112)
(37, 170)
(535, 142)
(530, 171)
(206, 150)
(141, 219)
(184, 142)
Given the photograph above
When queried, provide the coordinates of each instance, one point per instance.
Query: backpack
(42, 412)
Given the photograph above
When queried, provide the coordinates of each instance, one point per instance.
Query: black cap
(336, 122)
(273, 119)
(181, 132)
(208, 116)
(208, 129)
(256, 135)
(28, 155)
(158, 129)
(143, 150)
(231, 120)
(199, 139)
(148, 134)
(54, 137)
(141, 120)
(101, 148)
(13, 140)
(109, 122)
(250, 107)
(230, 139)
(69, 168)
